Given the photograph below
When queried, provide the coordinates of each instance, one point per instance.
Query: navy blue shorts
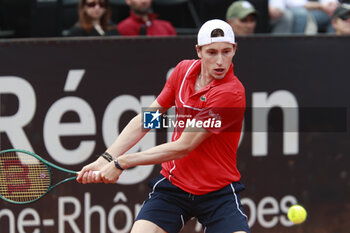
(170, 208)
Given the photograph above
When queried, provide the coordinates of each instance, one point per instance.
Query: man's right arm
(134, 131)
(130, 135)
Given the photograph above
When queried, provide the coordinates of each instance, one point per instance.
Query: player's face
(95, 9)
(216, 58)
(140, 7)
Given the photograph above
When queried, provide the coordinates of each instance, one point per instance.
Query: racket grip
(95, 172)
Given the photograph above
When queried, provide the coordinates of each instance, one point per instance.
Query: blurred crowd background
(55, 18)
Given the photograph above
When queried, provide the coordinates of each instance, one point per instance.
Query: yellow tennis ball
(297, 214)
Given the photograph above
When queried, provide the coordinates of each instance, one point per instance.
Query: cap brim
(245, 13)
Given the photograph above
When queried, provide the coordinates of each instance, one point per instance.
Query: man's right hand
(86, 174)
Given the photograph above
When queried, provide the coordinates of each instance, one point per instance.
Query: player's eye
(211, 52)
(226, 52)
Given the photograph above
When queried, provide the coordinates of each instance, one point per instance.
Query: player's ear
(234, 48)
(199, 51)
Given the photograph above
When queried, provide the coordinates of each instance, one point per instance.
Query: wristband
(117, 165)
(107, 156)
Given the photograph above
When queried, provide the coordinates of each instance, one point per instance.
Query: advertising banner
(68, 99)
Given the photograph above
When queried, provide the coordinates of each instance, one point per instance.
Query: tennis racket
(26, 177)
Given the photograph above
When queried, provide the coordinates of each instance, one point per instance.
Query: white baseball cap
(204, 34)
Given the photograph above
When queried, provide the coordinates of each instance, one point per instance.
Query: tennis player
(199, 176)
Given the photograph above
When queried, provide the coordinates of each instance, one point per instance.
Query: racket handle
(95, 172)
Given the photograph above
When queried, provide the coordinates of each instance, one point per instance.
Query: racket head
(24, 176)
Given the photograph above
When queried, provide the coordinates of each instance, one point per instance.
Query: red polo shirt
(213, 164)
(131, 26)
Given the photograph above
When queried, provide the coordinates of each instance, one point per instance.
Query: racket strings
(23, 178)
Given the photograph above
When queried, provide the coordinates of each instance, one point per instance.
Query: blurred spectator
(322, 11)
(142, 22)
(94, 19)
(303, 13)
(281, 19)
(241, 15)
(341, 20)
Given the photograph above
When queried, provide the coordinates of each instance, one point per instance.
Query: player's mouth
(219, 71)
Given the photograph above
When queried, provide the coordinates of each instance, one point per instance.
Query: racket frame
(48, 165)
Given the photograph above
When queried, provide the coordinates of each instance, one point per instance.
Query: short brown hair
(217, 33)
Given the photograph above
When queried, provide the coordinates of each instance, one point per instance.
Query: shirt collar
(197, 68)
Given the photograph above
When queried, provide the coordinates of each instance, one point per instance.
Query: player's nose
(220, 59)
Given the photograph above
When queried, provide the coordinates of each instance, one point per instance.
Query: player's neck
(202, 81)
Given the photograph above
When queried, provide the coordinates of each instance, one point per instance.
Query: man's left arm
(189, 140)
